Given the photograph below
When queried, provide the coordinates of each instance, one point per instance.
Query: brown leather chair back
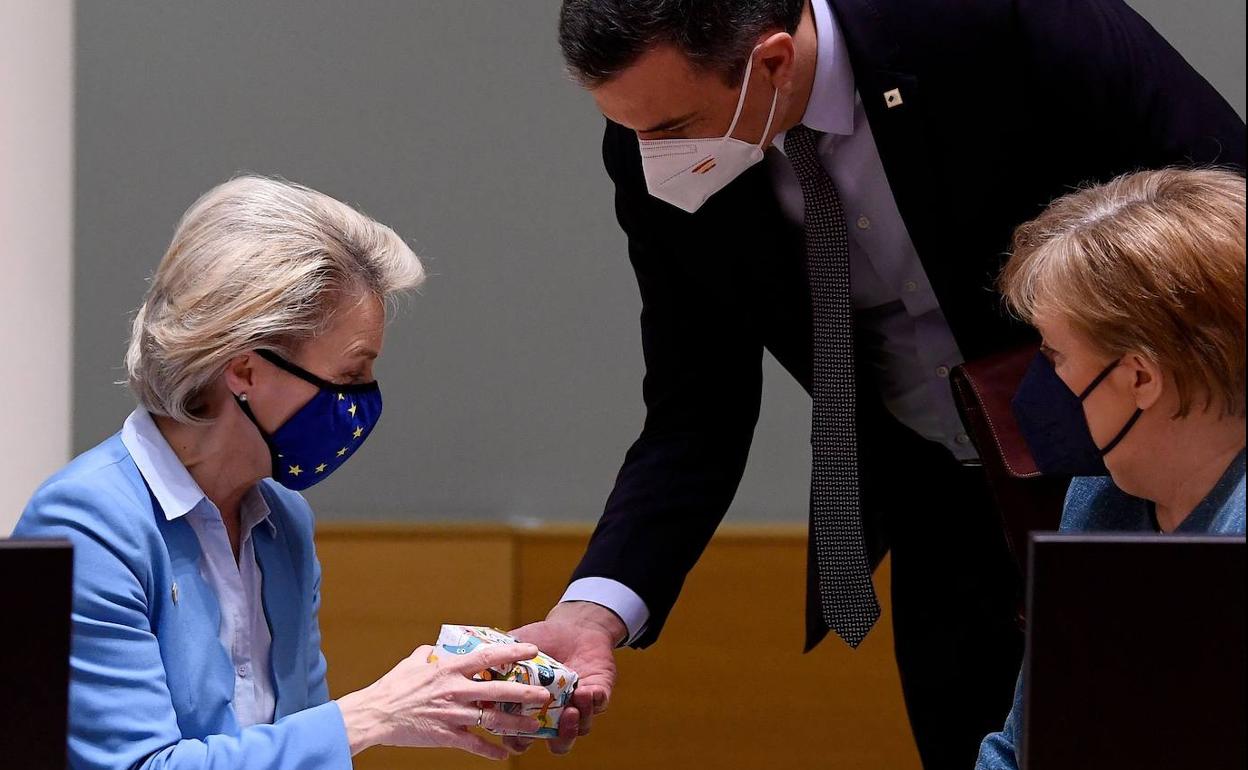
(1026, 499)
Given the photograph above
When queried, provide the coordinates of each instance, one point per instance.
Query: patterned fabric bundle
(542, 671)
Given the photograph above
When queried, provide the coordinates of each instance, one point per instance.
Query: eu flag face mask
(1052, 421)
(685, 172)
(327, 430)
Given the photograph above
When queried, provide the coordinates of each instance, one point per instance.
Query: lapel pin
(175, 592)
(893, 98)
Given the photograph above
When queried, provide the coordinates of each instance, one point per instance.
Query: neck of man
(806, 44)
(1190, 463)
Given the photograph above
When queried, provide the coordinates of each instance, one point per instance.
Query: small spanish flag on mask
(704, 166)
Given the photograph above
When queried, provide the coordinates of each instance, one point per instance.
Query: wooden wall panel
(386, 590)
(726, 687)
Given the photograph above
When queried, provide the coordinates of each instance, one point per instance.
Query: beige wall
(36, 134)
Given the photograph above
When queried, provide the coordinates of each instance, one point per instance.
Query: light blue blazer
(150, 683)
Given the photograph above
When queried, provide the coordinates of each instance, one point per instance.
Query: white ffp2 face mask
(685, 172)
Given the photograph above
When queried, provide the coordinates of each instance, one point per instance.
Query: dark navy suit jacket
(1007, 104)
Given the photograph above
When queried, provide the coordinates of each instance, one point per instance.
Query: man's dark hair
(601, 38)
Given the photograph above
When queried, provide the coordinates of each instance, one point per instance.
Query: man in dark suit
(836, 182)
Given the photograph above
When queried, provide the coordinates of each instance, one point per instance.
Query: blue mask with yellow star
(327, 430)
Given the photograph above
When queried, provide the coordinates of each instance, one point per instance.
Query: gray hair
(255, 263)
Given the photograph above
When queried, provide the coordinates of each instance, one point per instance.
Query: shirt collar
(171, 483)
(832, 101)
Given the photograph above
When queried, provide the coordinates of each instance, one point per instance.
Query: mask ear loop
(1099, 379)
(312, 379)
(245, 405)
(745, 87)
(1130, 423)
(1122, 433)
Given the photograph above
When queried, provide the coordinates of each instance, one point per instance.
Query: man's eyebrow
(667, 125)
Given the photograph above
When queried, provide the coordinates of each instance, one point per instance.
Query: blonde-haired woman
(1137, 287)
(196, 585)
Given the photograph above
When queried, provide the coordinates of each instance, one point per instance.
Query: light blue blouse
(244, 632)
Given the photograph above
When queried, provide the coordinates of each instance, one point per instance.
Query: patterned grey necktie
(846, 593)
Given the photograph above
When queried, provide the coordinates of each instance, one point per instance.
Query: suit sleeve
(702, 391)
(121, 712)
(1108, 83)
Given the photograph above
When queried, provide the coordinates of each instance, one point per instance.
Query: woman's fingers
(509, 692)
(475, 744)
(490, 657)
(494, 720)
(497, 721)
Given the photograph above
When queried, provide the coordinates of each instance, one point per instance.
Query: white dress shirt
(244, 631)
(901, 327)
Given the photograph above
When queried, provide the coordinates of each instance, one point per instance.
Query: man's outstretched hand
(583, 636)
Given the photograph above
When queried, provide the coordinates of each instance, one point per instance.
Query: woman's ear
(1148, 382)
(240, 374)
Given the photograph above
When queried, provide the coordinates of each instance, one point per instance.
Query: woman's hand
(424, 704)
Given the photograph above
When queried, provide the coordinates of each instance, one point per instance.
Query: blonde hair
(1152, 262)
(254, 263)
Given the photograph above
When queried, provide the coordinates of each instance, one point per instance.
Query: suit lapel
(894, 100)
(894, 105)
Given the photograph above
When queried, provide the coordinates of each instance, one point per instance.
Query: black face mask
(1052, 421)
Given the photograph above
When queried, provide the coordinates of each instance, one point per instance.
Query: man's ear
(777, 54)
(1148, 381)
(240, 374)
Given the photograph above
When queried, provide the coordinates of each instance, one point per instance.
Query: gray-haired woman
(196, 584)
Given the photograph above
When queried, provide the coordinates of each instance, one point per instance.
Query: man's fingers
(591, 701)
(561, 746)
(490, 657)
(583, 698)
(569, 729)
(602, 699)
(523, 632)
(475, 744)
(510, 692)
(585, 721)
(516, 744)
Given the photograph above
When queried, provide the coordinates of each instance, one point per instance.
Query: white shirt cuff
(615, 596)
